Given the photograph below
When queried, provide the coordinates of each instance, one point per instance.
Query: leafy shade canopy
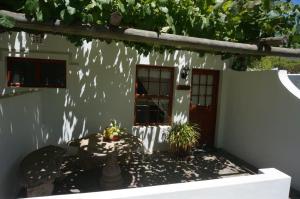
(268, 63)
(242, 21)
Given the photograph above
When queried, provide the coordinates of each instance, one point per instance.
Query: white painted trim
(270, 184)
(288, 84)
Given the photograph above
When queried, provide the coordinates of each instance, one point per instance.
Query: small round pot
(115, 138)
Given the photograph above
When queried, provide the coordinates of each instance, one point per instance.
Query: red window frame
(38, 64)
(158, 97)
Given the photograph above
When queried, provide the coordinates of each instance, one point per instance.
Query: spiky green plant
(113, 132)
(183, 137)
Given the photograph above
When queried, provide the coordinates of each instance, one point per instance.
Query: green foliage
(182, 137)
(268, 63)
(232, 20)
(6, 22)
(240, 63)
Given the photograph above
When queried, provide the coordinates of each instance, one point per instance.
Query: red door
(203, 106)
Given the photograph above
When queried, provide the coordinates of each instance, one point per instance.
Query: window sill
(152, 125)
(14, 93)
(34, 87)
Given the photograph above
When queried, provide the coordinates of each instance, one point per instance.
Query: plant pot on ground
(182, 138)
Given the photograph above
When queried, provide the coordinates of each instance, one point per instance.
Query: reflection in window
(154, 88)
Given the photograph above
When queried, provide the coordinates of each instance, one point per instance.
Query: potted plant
(115, 19)
(113, 132)
(182, 138)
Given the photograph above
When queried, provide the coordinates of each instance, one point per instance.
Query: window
(24, 72)
(153, 95)
(202, 89)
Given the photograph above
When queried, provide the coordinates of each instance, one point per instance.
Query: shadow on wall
(100, 87)
(100, 84)
(21, 131)
(154, 137)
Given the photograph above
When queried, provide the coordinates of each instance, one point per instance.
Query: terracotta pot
(115, 138)
(115, 19)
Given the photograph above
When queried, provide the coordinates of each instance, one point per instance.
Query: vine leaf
(71, 10)
(121, 7)
(297, 23)
(242, 21)
(296, 38)
(39, 16)
(6, 22)
(130, 2)
(31, 6)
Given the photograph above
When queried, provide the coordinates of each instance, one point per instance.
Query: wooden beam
(273, 41)
(150, 37)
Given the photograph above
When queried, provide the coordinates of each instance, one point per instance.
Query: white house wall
(100, 87)
(261, 120)
(21, 132)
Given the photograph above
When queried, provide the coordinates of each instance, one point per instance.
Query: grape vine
(242, 21)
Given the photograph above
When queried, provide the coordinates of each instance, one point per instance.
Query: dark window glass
(53, 75)
(22, 72)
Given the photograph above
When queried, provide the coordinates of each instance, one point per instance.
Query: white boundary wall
(261, 122)
(295, 78)
(270, 184)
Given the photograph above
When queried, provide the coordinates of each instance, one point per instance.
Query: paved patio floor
(156, 169)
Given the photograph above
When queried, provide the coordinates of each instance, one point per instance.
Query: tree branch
(273, 41)
(149, 37)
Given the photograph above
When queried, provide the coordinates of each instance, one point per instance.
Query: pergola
(149, 37)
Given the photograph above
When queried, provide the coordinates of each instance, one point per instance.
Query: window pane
(165, 76)
(154, 110)
(208, 101)
(209, 79)
(163, 111)
(143, 72)
(142, 111)
(28, 77)
(202, 90)
(22, 74)
(150, 111)
(154, 75)
(209, 90)
(153, 88)
(53, 75)
(142, 81)
(195, 79)
(195, 90)
(194, 99)
(142, 87)
(203, 79)
(164, 89)
(202, 101)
